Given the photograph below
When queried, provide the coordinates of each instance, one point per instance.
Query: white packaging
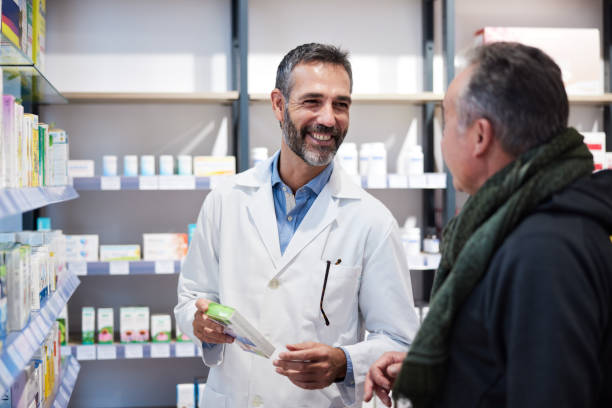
(364, 158)
(377, 165)
(205, 166)
(80, 168)
(109, 166)
(185, 165)
(119, 253)
(166, 165)
(59, 161)
(349, 158)
(22, 156)
(126, 324)
(161, 328)
(411, 240)
(415, 160)
(147, 165)
(141, 324)
(82, 247)
(105, 325)
(130, 166)
(164, 247)
(26, 129)
(88, 325)
(258, 155)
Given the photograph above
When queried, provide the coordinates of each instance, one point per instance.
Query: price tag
(185, 349)
(133, 351)
(398, 181)
(64, 394)
(110, 183)
(119, 267)
(436, 180)
(160, 350)
(86, 352)
(107, 352)
(66, 351)
(147, 182)
(164, 267)
(176, 182)
(79, 268)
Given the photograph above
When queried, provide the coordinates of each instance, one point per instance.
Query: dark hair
(312, 52)
(520, 91)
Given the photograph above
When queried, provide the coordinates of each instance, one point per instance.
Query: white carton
(59, 159)
(119, 253)
(161, 328)
(82, 247)
(164, 247)
(205, 166)
(80, 168)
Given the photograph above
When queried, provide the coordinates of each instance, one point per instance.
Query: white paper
(107, 352)
(86, 352)
(160, 350)
(119, 267)
(133, 351)
(184, 350)
(164, 267)
(147, 182)
(79, 268)
(110, 183)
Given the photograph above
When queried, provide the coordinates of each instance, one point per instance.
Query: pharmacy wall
(155, 46)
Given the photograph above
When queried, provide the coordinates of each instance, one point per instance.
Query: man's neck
(294, 171)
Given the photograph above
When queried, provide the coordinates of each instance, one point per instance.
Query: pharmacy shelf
(594, 99)
(391, 181)
(19, 347)
(19, 200)
(116, 351)
(70, 371)
(424, 262)
(35, 87)
(152, 97)
(387, 98)
(82, 268)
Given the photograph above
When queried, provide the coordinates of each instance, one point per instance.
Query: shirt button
(289, 218)
(274, 283)
(285, 189)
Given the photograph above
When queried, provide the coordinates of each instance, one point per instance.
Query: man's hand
(205, 328)
(382, 375)
(310, 365)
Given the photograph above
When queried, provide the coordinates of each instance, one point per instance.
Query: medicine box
(80, 168)
(161, 328)
(119, 253)
(105, 325)
(205, 166)
(88, 325)
(82, 247)
(164, 247)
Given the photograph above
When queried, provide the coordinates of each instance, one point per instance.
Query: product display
(166, 165)
(80, 168)
(130, 166)
(204, 166)
(134, 324)
(185, 165)
(62, 322)
(109, 165)
(147, 165)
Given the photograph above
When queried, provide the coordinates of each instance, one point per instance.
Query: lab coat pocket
(340, 300)
(211, 398)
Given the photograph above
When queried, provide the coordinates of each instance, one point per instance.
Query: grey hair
(312, 52)
(520, 91)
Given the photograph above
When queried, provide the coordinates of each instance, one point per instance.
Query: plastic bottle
(364, 159)
(415, 160)
(349, 158)
(378, 160)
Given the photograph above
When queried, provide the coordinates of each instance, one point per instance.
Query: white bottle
(415, 160)
(109, 165)
(166, 165)
(348, 157)
(130, 165)
(377, 165)
(364, 159)
(258, 155)
(185, 165)
(147, 165)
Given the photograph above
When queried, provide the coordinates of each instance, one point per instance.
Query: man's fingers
(312, 354)
(301, 346)
(367, 388)
(393, 370)
(378, 378)
(202, 305)
(308, 385)
(383, 396)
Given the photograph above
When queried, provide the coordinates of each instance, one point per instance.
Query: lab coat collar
(340, 183)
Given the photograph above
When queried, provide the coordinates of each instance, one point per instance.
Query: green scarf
(469, 242)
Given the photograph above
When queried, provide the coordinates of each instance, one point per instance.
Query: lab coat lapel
(323, 212)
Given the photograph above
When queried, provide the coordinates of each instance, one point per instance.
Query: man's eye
(311, 102)
(342, 105)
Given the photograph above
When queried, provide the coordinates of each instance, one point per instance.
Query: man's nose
(326, 115)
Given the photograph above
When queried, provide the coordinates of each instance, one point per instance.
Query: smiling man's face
(317, 115)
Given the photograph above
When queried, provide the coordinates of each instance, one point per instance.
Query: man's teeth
(321, 136)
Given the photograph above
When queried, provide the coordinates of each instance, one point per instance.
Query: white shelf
(134, 351)
(70, 372)
(83, 268)
(20, 200)
(20, 346)
(424, 262)
(116, 183)
(152, 97)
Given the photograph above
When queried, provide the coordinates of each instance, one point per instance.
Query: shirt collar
(315, 185)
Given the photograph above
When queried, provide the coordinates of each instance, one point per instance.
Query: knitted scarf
(469, 242)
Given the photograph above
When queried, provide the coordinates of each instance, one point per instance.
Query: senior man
(521, 311)
(308, 257)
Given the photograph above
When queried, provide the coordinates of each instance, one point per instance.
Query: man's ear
(483, 137)
(278, 104)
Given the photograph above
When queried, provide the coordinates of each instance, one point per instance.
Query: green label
(220, 313)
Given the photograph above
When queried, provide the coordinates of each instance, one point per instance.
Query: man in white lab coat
(306, 255)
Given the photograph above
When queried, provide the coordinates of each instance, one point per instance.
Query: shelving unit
(146, 97)
(20, 346)
(118, 351)
(70, 372)
(19, 200)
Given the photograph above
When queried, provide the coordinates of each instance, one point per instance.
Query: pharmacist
(305, 255)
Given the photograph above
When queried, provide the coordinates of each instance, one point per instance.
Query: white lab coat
(235, 254)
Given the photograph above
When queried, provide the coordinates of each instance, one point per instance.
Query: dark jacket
(537, 330)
